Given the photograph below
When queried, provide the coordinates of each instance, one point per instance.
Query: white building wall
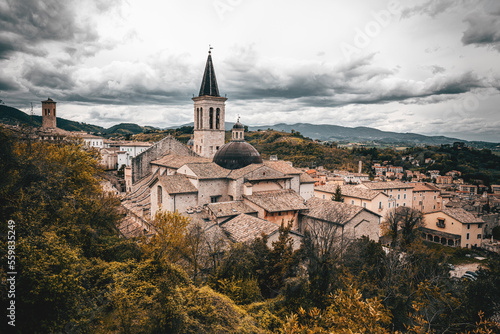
(306, 190)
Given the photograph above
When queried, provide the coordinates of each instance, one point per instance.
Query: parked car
(469, 277)
(473, 273)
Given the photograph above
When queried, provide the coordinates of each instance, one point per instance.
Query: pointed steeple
(209, 83)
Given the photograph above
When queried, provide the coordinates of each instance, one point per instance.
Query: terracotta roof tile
(177, 184)
(386, 185)
(330, 211)
(245, 228)
(277, 200)
(208, 170)
(177, 161)
(351, 191)
(224, 209)
(462, 216)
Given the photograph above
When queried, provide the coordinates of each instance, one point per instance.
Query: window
(217, 119)
(197, 123)
(479, 236)
(160, 196)
(468, 226)
(323, 196)
(404, 196)
(364, 205)
(468, 236)
(352, 201)
(380, 205)
(201, 118)
(440, 223)
(479, 225)
(399, 196)
(211, 118)
(389, 205)
(213, 199)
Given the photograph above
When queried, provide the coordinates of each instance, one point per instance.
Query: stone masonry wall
(141, 163)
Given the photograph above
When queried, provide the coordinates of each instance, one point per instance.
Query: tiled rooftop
(462, 216)
(386, 185)
(350, 191)
(282, 166)
(304, 178)
(419, 186)
(224, 209)
(331, 211)
(277, 200)
(177, 184)
(208, 170)
(177, 161)
(244, 228)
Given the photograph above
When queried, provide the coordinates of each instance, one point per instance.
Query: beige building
(400, 192)
(373, 200)
(426, 197)
(453, 227)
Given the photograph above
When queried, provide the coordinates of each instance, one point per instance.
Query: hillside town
(229, 188)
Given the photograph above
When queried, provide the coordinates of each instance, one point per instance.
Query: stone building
(209, 115)
(49, 120)
(343, 221)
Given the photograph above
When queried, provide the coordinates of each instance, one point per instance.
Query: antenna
(210, 48)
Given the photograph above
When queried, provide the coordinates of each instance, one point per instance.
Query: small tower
(49, 114)
(238, 132)
(209, 114)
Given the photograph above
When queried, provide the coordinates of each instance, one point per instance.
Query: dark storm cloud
(483, 30)
(50, 78)
(356, 82)
(28, 25)
(37, 20)
(7, 85)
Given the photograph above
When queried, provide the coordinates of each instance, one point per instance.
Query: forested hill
(327, 132)
(13, 116)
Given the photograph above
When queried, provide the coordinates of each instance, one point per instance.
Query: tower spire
(209, 82)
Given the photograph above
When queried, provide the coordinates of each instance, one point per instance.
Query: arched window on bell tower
(197, 120)
(217, 118)
(211, 118)
(201, 119)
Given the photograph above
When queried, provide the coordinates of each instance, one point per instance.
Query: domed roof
(236, 155)
(238, 125)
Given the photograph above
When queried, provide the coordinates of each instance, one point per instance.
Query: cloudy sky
(429, 67)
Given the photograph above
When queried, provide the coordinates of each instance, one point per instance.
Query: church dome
(238, 125)
(236, 155)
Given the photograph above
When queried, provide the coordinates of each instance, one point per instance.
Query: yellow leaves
(347, 313)
(168, 242)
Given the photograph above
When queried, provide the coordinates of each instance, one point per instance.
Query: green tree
(337, 197)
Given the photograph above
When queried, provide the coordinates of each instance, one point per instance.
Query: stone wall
(141, 163)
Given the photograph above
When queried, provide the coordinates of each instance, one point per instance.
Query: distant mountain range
(325, 132)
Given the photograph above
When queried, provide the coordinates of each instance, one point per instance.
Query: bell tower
(49, 114)
(209, 114)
